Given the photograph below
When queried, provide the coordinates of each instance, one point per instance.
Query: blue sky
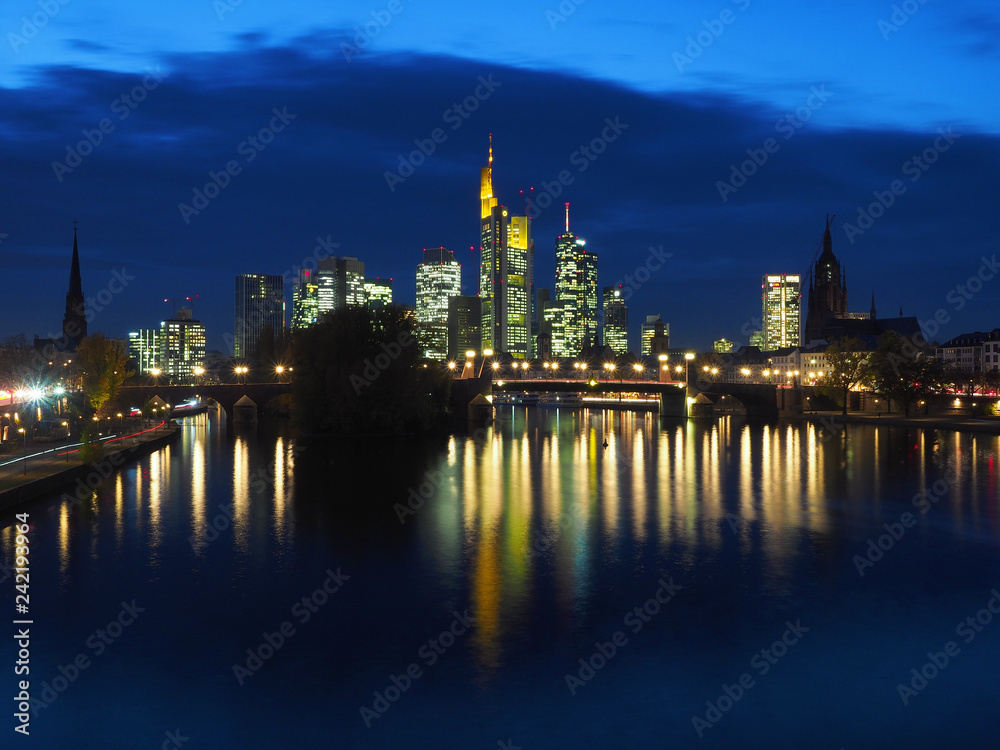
(698, 83)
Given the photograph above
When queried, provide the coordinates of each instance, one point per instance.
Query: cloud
(324, 175)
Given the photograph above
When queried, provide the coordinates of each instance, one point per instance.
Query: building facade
(652, 327)
(305, 299)
(827, 292)
(181, 347)
(341, 283)
(615, 320)
(439, 278)
(465, 319)
(378, 293)
(260, 304)
(505, 273)
(781, 303)
(576, 292)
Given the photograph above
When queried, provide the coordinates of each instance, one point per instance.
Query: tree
(360, 371)
(19, 362)
(103, 367)
(902, 373)
(850, 365)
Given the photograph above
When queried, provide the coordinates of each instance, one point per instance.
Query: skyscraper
(615, 320)
(439, 277)
(142, 347)
(180, 346)
(74, 319)
(465, 317)
(341, 283)
(260, 304)
(505, 272)
(653, 327)
(378, 293)
(305, 299)
(781, 311)
(576, 292)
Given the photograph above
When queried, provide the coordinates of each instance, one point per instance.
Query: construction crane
(188, 300)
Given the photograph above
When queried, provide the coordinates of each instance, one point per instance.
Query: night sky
(838, 97)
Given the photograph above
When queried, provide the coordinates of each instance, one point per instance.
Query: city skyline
(729, 181)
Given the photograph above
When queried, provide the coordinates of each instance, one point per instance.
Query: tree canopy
(359, 371)
(103, 368)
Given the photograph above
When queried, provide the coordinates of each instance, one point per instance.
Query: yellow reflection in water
(198, 492)
(280, 499)
(159, 462)
(241, 491)
(64, 537)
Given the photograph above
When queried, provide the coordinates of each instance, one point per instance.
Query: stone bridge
(252, 395)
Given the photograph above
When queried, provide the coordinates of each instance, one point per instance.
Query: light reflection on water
(536, 526)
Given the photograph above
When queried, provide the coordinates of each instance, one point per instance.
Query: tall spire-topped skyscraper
(505, 272)
(75, 319)
(576, 295)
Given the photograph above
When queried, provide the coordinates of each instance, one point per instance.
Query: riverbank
(988, 425)
(65, 470)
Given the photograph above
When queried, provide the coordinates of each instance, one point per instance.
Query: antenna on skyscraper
(567, 217)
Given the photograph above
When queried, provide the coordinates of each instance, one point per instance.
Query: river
(561, 579)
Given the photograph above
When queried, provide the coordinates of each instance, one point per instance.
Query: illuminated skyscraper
(505, 272)
(576, 292)
(439, 277)
(615, 320)
(781, 311)
(341, 283)
(260, 304)
(378, 293)
(181, 346)
(177, 349)
(653, 327)
(142, 347)
(305, 300)
(464, 325)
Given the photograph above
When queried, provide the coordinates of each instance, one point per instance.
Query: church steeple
(74, 319)
(873, 315)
